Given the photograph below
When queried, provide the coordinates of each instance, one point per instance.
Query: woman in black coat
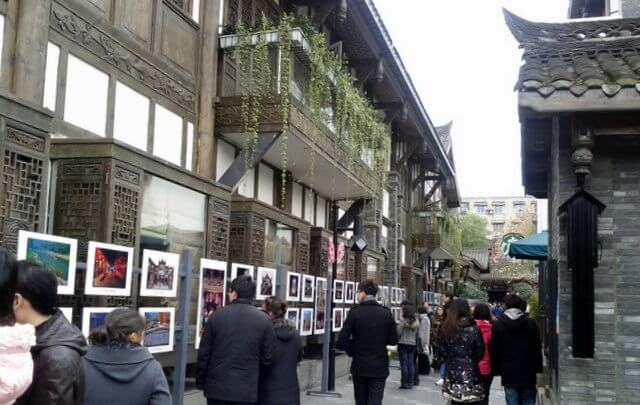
(461, 348)
(279, 381)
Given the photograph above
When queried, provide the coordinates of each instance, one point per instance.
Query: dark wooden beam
(422, 178)
(419, 179)
(431, 192)
(409, 152)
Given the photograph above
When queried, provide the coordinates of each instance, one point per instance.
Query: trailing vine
(331, 96)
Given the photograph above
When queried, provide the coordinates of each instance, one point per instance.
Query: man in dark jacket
(58, 376)
(237, 340)
(366, 333)
(516, 352)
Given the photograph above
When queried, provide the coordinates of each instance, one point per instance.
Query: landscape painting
(159, 329)
(55, 253)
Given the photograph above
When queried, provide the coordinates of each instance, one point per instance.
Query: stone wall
(613, 375)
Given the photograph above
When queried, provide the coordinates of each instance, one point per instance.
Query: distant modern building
(508, 219)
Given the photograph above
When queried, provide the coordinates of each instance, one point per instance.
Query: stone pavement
(427, 393)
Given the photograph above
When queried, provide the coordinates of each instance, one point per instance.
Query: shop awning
(532, 248)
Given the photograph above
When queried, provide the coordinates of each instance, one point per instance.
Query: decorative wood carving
(113, 52)
(218, 229)
(22, 138)
(127, 175)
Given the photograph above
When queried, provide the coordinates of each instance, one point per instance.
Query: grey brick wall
(613, 375)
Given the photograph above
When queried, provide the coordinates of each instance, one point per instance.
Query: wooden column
(32, 36)
(207, 85)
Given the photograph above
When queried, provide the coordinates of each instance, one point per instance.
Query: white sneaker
(440, 382)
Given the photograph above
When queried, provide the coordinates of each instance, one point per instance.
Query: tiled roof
(480, 256)
(444, 133)
(578, 56)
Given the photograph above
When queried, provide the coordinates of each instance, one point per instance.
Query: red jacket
(485, 363)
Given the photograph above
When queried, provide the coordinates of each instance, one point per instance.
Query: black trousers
(368, 391)
(216, 402)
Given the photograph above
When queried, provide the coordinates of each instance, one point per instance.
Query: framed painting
(109, 269)
(92, 317)
(212, 293)
(159, 274)
(338, 317)
(308, 288)
(55, 253)
(265, 283)
(321, 292)
(293, 286)
(293, 316)
(239, 269)
(306, 322)
(159, 328)
(338, 291)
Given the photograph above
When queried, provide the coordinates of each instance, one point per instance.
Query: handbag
(424, 365)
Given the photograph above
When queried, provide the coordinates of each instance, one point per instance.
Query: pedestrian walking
(16, 364)
(279, 381)
(438, 364)
(58, 376)
(408, 333)
(118, 369)
(461, 348)
(238, 339)
(516, 352)
(366, 333)
(424, 350)
(482, 316)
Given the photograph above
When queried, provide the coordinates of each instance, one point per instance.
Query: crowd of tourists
(249, 355)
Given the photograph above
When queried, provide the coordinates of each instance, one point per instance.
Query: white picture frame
(379, 295)
(67, 312)
(320, 319)
(214, 289)
(89, 322)
(337, 319)
(338, 291)
(154, 264)
(346, 312)
(293, 286)
(265, 283)
(30, 243)
(102, 262)
(307, 319)
(308, 281)
(293, 316)
(385, 296)
(240, 268)
(164, 343)
(394, 295)
(349, 292)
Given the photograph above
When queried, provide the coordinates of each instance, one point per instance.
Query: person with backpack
(118, 369)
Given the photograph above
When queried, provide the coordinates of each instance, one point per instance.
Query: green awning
(532, 248)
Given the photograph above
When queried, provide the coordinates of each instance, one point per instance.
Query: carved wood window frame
(68, 129)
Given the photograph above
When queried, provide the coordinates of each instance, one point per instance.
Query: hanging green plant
(331, 97)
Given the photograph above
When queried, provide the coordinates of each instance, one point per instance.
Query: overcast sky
(464, 63)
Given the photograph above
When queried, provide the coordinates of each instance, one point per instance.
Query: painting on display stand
(55, 253)
(293, 316)
(321, 292)
(159, 328)
(239, 269)
(265, 283)
(394, 295)
(349, 292)
(379, 295)
(293, 286)
(338, 291)
(306, 321)
(308, 287)
(67, 312)
(92, 317)
(212, 296)
(159, 274)
(346, 312)
(338, 318)
(109, 269)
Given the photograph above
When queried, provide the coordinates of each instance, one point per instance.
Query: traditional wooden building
(578, 99)
(121, 122)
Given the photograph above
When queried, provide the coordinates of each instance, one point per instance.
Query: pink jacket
(485, 363)
(16, 364)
